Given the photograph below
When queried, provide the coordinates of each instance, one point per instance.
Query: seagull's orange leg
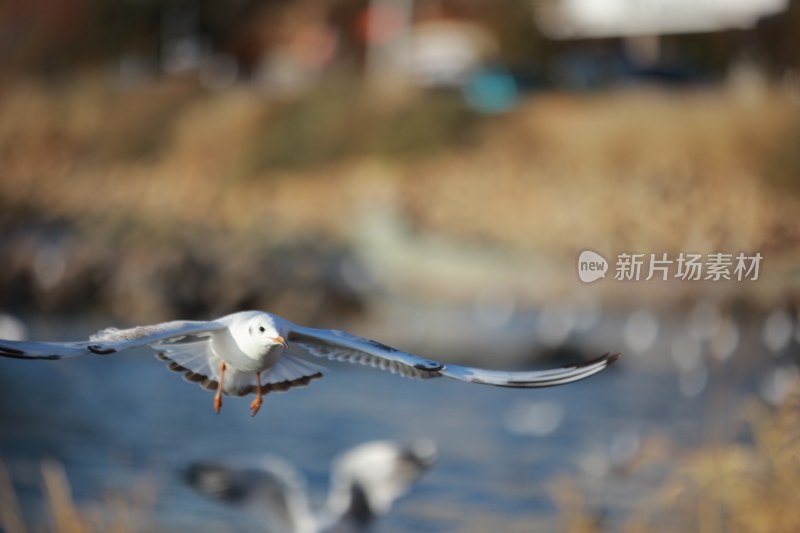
(218, 395)
(255, 405)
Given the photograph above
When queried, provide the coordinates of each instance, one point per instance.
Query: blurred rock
(150, 281)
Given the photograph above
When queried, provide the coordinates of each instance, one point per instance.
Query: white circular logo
(591, 266)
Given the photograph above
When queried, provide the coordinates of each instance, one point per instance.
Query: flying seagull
(365, 481)
(257, 352)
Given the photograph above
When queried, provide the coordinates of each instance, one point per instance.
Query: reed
(128, 512)
(744, 484)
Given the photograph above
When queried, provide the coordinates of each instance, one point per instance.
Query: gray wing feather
(531, 379)
(342, 346)
(107, 341)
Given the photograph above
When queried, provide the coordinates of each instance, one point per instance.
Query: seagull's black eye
(261, 329)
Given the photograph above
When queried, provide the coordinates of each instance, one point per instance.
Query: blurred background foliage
(437, 164)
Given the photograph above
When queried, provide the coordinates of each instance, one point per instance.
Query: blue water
(121, 423)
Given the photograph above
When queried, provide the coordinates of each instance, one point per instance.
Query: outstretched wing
(342, 346)
(272, 486)
(108, 341)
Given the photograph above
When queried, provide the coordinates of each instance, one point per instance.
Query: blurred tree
(57, 37)
(778, 39)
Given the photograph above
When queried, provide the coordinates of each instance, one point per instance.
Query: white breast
(244, 356)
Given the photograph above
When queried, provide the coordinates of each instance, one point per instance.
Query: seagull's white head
(380, 472)
(264, 333)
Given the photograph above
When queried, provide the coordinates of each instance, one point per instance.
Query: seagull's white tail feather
(290, 368)
(196, 360)
(288, 372)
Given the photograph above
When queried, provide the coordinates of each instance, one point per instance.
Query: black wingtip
(608, 357)
(429, 366)
(5, 350)
(99, 350)
(16, 354)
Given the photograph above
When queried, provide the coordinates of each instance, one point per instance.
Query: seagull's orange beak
(280, 340)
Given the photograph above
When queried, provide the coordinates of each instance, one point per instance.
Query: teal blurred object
(491, 91)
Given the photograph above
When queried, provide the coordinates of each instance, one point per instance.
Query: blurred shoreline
(155, 201)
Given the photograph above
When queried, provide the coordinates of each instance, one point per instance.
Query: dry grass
(629, 169)
(746, 486)
(119, 513)
(11, 520)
